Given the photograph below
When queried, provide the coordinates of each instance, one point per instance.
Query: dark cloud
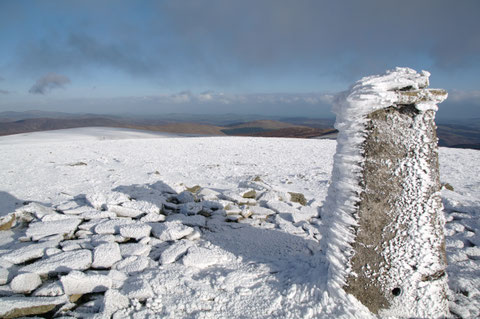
(49, 82)
(229, 42)
(4, 91)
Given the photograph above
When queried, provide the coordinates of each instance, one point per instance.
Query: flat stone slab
(43, 229)
(77, 282)
(61, 263)
(29, 252)
(14, 307)
(170, 230)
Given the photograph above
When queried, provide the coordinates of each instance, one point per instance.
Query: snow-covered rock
(175, 251)
(153, 218)
(61, 263)
(29, 252)
(200, 257)
(170, 230)
(25, 283)
(134, 264)
(134, 249)
(19, 306)
(124, 211)
(40, 230)
(4, 275)
(49, 289)
(135, 231)
(114, 300)
(194, 220)
(105, 255)
(111, 226)
(137, 289)
(77, 282)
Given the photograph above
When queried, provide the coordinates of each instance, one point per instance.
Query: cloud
(472, 96)
(49, 82)
(4, 91)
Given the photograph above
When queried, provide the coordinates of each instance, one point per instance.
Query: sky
(267, 57)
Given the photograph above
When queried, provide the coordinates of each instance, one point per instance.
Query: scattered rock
(250, 194)
(77, 282)
(195, 220)
(448, 186)
(111, 226)
(78, 164)
(138, 289)
(194, 189)
(124, 211)
(44, 229)
(135, 231)
(298, 198)
(185, 197)
(29, 252)
(113, 300)
(105, 255)
(175, 251)
(153, 218)
(49, 289)
(4, 275)
(133, 264)
(134, 249)
(7, 222)
(61, 263)
(200, 257)
(19, 306)
(170, 230)
(25, 283)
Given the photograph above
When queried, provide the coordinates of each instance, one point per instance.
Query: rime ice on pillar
(383, 210)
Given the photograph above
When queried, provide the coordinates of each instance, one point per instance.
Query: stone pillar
(386, 243)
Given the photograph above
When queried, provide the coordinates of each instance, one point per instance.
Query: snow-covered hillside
(138, 224)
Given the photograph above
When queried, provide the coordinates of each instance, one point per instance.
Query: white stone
(50, 289)
(97, 239)
(76, 282)
(61, 263)
(9, 304)
(52, 251)
(256, 210)
(175, 251)
(105, 255)
(4, 273)
(200, 257)
(170, 230)
(134, 264)
(134, 249)
(29, 252)
(111, 226)
(113, 300)
(40, 230)
(95, 214)
(143, 206)
(135, 231)
(118, 278)
(124, 211)
(153, 218)
(138, 289)
(25, 283)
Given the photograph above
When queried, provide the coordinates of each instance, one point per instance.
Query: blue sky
(272, 57)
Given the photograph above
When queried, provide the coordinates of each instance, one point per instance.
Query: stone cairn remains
(384, 214)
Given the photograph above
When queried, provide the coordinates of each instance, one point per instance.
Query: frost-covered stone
(95, 214)
(4, 275)
(175, 251)
(280, 207)
(61, 263)
(257, 210)
(134, 264)
(153, 218)
(135, 231)
(15, 306)
(77, 282)
(170, 230)
(40, 230)
(383, 203)
(111, 226)
(305, 213)
(49, 289)
(137, 289)
(25, 283)
(29, 252)
(200, 257)
(105, 255)
(191, 208)
(114, 300)
(134, 249)
(124, 211)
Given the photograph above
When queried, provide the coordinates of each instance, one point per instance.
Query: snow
(255, 268)
(25, 283)
(105, 255)
(77, 282)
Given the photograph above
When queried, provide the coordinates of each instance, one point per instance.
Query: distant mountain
(458, 133)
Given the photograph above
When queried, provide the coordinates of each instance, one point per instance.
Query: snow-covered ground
(115, 216)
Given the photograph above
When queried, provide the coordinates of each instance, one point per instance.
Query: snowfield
(101, 222)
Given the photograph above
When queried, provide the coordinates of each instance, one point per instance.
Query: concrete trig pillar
(383, 212)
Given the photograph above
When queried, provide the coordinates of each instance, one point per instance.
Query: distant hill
(460, 134)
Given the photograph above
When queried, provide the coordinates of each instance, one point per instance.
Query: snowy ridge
(352, 107)
(266, 265)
